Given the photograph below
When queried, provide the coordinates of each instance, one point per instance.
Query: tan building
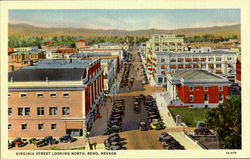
(54, 98)
(81, 44)
(18, 60)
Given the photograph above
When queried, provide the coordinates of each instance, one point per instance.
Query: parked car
(143, 126)
(11, 144)
(163, 134)
(19, 142)
(67, 138)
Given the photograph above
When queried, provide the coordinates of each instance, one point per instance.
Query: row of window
(190, 66)
(204, 59)
(25, 111)
(40, 95)
(206, 97)
(39, 126)
(191, 88)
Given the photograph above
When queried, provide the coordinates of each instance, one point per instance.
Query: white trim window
(24, 126)
(23, 111)
(53, 95)
(9, 126)
(9, 111)
(23, 95)
(220, 97)
(40, 111)
(205, 88)
(191, 88)
(53, 111)
(65, 94)
(39, 95)
(40, 126)
(65, 110)
(220, 88)
(191, 98)
(53, 126)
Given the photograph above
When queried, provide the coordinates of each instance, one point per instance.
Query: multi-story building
(18, 60)
(24, 49)
(238, 63)
(107, 45)
(81, 44)
(219, 62)
(54, 97)
(108, 74)
(162, 43)
(64, 53)
(197, 88)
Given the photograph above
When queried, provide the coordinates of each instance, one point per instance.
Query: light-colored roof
(196, 75)
(27, 52)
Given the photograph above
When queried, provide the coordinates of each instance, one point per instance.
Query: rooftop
(196, 75)
(52, 74)
(60, 64)
(27, 52)
(108, 43)
(204, 53)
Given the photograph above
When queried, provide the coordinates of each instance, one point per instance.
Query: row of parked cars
(124, 81)
(113, 142)
(115, 120)
(154, 118)
(49, 140)
(169, 142)
(145, 79)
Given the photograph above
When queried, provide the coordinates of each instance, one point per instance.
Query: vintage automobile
(67, 138)
(19, 142)
(143, 126)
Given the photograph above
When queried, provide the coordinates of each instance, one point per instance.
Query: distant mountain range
(30, 30)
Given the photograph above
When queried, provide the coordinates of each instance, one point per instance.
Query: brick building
(81, 44)
(197, 88)
(18, 60)
(54, 97)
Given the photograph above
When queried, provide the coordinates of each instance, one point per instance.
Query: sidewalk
(163, 100)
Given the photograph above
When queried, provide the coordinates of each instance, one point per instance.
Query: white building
(218, 62)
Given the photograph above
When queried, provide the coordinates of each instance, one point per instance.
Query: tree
(226, 120)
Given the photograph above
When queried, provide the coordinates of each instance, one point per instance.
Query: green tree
(226, 120)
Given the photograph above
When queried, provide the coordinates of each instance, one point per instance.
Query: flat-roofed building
(219, 62)
(54, 97)
(196, 88)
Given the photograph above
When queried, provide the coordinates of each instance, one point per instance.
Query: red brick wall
(87, 100)
(198, 94)
(74, 101)
(238, 70)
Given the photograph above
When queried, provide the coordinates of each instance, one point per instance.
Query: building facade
(218, 62)
(108, 74)
(197, 88)
(81, 44)
(54, 98)
(18, 60)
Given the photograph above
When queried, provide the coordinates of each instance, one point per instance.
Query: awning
(74, 125)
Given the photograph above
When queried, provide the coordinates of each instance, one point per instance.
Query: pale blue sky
(127, 19)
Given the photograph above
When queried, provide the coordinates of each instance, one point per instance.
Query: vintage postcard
(114, 79)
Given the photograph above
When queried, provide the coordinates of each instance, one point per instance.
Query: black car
(11, 144)
(67, 138)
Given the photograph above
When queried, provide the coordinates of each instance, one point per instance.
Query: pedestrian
(95, 145)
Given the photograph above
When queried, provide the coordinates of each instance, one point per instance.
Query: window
(9, 111)
(65, 94)
(24, 126)
(65, 111)
(53, 126)
(218, 65)
(23, 111)
(160, 80)
(162, 60)
(220, 88)
(40, 126)
(52, 94)
(191, 88)
(205, 88)
(210, 59)
(53, 111)
(8, 94)
(229, 58)
(191, 98)
(40, 110)
(218, 59)
(205, 97)
(39, 95)
(9, 126)
(23, 95)
(173, 60)
(220, 97)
